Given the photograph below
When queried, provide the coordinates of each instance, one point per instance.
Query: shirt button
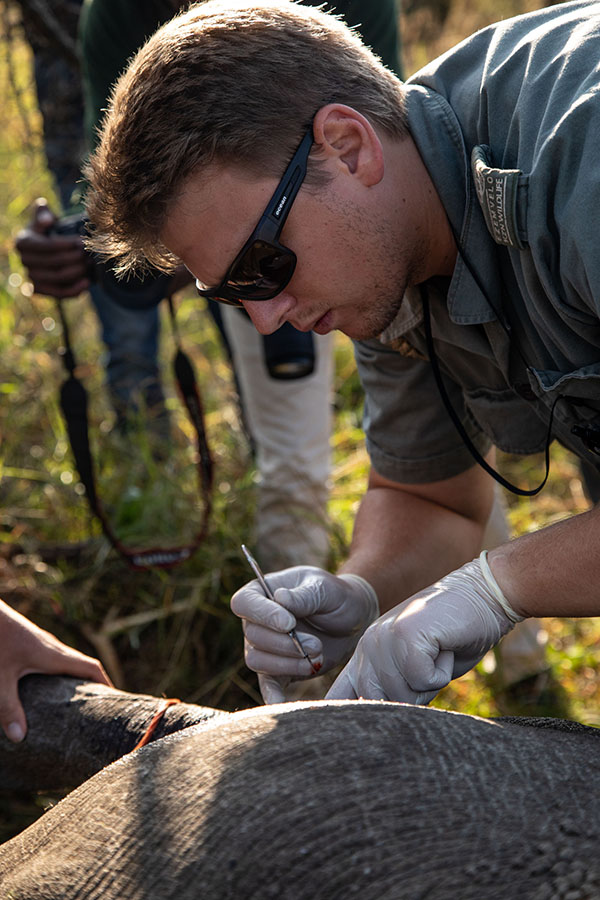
(589, 434)
(524, 390)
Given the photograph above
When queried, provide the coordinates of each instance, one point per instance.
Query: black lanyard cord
(73, 401)
(459, 425)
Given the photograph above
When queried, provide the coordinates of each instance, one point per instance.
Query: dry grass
(173, 633)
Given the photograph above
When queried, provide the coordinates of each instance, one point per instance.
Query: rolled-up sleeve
(409, 434)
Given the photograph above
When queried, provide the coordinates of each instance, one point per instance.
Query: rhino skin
(303, 801)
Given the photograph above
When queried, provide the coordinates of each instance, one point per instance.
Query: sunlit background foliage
(172, 633)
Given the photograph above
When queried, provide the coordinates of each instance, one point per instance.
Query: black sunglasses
(263, 267)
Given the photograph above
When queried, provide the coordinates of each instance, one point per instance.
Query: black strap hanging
(522, 492)
(73, 401)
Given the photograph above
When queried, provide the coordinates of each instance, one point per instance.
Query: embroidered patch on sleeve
(497, 195)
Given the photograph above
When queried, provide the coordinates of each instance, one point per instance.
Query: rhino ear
(75, 728)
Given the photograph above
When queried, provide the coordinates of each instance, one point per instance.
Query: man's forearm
(554, 571)
(403, 543)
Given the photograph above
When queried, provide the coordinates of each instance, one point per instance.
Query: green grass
(172, 633)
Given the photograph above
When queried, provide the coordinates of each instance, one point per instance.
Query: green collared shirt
(508, 125)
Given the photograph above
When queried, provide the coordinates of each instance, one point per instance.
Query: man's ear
(349, 141)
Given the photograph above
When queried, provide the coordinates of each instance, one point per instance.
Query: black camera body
(289, 353)
(132, 292)
(75, 224)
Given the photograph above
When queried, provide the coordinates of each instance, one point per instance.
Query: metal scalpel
(269, 593)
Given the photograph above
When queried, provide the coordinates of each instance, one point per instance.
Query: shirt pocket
(506, 418)
(575, 399)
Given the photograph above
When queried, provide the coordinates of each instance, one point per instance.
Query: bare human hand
(27, 649)
(57, 264)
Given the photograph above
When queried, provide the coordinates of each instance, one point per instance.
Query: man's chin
(369, 328)
(360, 334)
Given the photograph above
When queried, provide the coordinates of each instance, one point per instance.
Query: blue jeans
(131, 339)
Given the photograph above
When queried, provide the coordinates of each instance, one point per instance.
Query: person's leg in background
(132, 374)
(290, 422)
(130, 336)
(58, 89)
(590, 477)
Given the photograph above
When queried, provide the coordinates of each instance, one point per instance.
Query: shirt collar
(439, 139)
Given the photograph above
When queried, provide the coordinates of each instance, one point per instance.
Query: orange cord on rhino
(147, 737)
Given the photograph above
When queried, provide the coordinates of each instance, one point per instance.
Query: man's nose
(269, 315)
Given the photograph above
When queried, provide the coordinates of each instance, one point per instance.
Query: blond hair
(235, 82)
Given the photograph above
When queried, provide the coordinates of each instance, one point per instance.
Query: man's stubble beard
(398, 259)
(380, 310)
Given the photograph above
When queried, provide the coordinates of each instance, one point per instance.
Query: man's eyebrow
(233, 254)
(206, 281)
(217, 279)
(186, 252)
(221, 275)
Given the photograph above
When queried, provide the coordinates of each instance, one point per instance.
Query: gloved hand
(329, 613)
(415, 649)
(57, 264)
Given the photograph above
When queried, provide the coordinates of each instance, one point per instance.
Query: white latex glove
(329, 613)
(415, 649)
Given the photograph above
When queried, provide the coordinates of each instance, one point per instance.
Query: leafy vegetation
(172, 632)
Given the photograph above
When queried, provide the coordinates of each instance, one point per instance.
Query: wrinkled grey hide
(326, 800)
(75, 728)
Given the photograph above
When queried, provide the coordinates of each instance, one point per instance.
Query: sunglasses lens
(227, 301)
(262, 272)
